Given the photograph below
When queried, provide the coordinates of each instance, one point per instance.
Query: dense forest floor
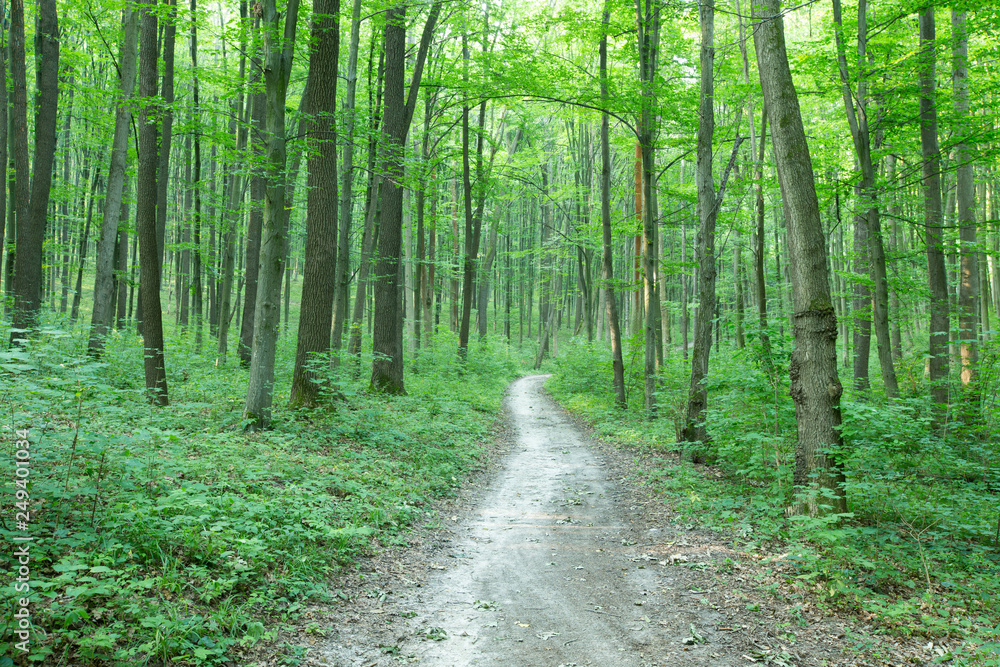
(173, 536)
(563, 554)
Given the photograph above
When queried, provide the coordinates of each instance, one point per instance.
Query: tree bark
(256, 218)
(694, 428)
(607, 266)
(815, 386)
(101, 317)
(347, 188)
(387, 330)
(966, 202)
(319, 280)
(277, 63)
(31, 212)
(937, 277)
(149, 264)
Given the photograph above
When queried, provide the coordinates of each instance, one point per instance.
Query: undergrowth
(917, 555)
(172, 536)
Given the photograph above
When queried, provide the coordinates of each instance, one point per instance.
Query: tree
(936, 275)
(815, 386)
(100, 322)
(279, 47)
(694, 428)
(145, 213)
(387, 339)
(607, 264)
(320, 274)
(868, 226)
(31, 213)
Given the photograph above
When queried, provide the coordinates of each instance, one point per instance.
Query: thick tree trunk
(387, 334)
(387, 330)
(149, 264)
(319, 280)
(101, 318)
(815, 388)
(937, 277)
(277, 64)
(31, 213)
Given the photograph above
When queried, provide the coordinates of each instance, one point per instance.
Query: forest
(268, 268)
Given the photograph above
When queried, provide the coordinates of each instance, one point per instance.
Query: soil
(555, 557)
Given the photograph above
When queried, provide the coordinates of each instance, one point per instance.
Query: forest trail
(555, 565)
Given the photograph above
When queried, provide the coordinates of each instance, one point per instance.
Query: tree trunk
(149, 264)
(197, 305)
(815, 386)
(694, 428)
(869, 216)
(277, 64)
(256, 219)
(82, 254)
(4, 138)
(387, 336)
(937, 277)
(31, 213)
(319, 280)
(966, 201)
(100, 321)
(862, 305)
(347, 188)
(165, 136)
(607, 266)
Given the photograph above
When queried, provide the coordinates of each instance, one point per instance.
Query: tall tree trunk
(869, 216)
(347, 187)
(82, 254)
(966, 201)
(165, 137)
(122, 282)
(232, 211)
(861, 306)
(256, 219)
(197, 303)
(101, 317)
(387, 333)
(319, 280)
(937, 277)
(32, 213)
(648, 30)
(607, 267)
(277, 63)
(4, 137)
(815, 386)
(694, 427)
(149, 264)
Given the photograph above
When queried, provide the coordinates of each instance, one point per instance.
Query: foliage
(918, 552)
(173, 536)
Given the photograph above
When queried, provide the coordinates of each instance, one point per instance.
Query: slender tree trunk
(165, 136)
(149, 264)
(607, 267)
(347, 187)
(4, 136)
(197, 305)
(101, 318)
(82, 254)
(966, 202)
(861, 306)
(694, 428)
(815, 386)
(319, 280)
(256, 220)
(937, 277)
(277, 64)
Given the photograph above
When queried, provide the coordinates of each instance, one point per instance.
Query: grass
(172, 536)
(918, 555)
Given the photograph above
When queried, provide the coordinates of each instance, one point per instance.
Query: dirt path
(556, 564)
